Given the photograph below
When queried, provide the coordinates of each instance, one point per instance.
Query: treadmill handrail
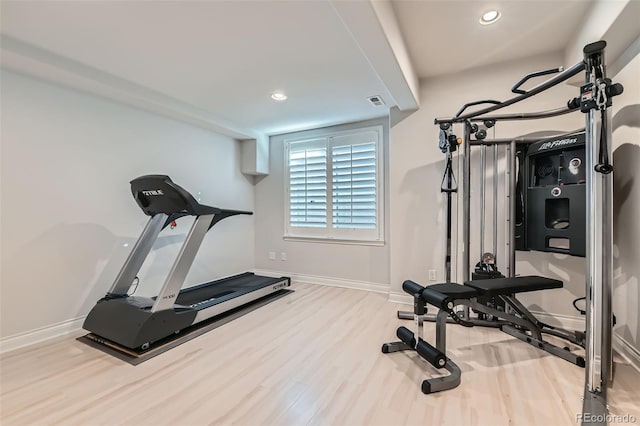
(137, 256)
(180, 268)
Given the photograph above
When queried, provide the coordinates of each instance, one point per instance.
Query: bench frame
(519, 323)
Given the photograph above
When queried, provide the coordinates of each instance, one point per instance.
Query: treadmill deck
(206, 295)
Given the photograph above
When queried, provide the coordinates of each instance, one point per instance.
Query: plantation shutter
(308, 183)
(354, 187)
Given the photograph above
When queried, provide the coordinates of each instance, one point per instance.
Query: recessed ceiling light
(489, 17)
(278, 96)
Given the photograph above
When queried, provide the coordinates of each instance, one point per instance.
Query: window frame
(330, 234)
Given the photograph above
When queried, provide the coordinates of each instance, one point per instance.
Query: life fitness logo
(153, 192)
(556, 192)
(557, 143)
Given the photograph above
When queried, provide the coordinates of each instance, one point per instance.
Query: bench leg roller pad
(424, 349)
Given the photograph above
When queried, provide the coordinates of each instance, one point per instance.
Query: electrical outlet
(432, 275)
(283, 255)
(272, 255)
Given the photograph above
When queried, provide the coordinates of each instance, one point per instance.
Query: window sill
(324, 240)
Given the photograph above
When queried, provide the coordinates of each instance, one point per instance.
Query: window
(334, 186)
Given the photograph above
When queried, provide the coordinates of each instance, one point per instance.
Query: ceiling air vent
(376, 100)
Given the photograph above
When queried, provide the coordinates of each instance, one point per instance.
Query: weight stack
(556, 197)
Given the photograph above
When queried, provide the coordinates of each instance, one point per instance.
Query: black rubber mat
(135, 358)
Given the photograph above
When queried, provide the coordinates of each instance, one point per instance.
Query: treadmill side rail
(238, 301)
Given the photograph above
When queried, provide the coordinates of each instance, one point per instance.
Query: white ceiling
(224, 58)
(446, 36)
(215, 63)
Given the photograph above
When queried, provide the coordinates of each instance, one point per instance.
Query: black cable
(448, 173)
(582, 312)
(603, 165)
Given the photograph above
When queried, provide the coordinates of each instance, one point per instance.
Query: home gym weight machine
(487, 266)
(134, 323)
(493, 300)
(594, 100)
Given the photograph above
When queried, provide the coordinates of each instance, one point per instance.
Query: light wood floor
(312, 357)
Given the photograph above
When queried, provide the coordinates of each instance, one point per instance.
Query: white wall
(364, 264)
(67, 209)
(626, 226)
(615, 21)
(417, 206)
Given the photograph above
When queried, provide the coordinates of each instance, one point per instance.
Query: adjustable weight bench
(516, 321)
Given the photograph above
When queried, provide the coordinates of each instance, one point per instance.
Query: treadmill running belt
(238, 284)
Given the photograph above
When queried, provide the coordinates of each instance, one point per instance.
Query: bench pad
(505, 286)
(453, 291)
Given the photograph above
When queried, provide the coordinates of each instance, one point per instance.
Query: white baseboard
(21, 340)
(402, 298)
(627, 351)
(38, 335)
(333, 282)
(621, 346)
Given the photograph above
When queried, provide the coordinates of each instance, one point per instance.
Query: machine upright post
(511, 234)
(599, 244)
(607, 262)
(483, 192)
(466, 207)
(495, 204)
(466, 203)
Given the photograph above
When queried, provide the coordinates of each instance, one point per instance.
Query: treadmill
(136, 322)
